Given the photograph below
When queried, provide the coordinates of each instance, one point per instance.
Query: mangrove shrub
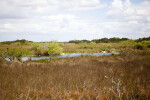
(14, 53)
(54, 49)
(40, 49)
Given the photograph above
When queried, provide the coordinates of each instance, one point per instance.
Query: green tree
(15, 53)
(54, 49)
(40, 49)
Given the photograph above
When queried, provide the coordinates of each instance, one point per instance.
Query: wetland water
(69, 55)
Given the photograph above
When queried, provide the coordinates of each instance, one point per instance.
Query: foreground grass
(124, 77)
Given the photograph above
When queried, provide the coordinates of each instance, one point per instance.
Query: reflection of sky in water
(66, 55)
(71, 55)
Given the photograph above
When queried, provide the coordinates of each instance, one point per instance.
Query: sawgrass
(122, 77)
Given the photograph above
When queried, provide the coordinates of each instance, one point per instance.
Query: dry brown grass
(98, 47)
(5, 46)
(124, 77)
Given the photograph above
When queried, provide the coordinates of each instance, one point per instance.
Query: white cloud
(26, 8)
(128, 11)
(117, 4)
(8, 9)
(128, 18)
(57, 19)
(54, 25)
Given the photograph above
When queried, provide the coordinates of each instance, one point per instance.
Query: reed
(123, 77)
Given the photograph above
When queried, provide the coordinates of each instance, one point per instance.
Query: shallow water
(69, 55)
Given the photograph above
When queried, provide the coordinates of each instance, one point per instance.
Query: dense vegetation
(23, 41)
(143, 39)
(38, 49)
(13, 53)
(103, 40)
(109, 40)
(79, 41)
(19, 48)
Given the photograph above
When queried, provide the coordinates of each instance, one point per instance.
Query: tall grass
(96, 48)
(124, 77)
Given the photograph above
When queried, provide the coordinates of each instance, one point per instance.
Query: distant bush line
(109, 40)
(102, 40)
(22, 41)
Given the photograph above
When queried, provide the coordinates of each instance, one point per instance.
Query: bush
(128, 42)
(139, 46)
(54, 49)
(40, 49)
(44, 49)
(14, 53)
(20, 53)
(92, 42)
(146, 43)
(148, 46)
(142, 45)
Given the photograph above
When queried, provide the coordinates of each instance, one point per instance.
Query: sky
(64, 20)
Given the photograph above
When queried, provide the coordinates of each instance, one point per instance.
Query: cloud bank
(64, 20)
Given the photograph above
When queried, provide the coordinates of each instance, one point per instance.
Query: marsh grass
(96, 48)
(124, 77)
(70, 47)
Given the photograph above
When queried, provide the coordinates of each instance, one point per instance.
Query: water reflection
(68, 56)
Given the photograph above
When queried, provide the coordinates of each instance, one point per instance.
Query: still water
(69, 55)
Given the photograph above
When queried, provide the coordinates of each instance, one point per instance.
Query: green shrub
(92, 42)
(15, 53)
(40, 49)
(10, 54)
(54, 49)
(142, 45)
(139, 46)
(44, 49)
(146, 43)
(35, 46)
(128, 42)
(19, 53)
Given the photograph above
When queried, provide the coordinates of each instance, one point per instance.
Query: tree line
(109, 40)
(23, 41)
(102, 40)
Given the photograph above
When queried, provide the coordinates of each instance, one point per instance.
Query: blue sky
(64, 20)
